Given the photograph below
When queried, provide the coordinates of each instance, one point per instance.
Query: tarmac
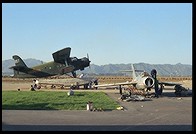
(166, 113)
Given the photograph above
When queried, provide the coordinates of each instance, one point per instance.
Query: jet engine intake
(149, 82)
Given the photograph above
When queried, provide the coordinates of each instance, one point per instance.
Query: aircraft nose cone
(86, 61)
(89, 62)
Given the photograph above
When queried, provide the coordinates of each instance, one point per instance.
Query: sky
(110, 33)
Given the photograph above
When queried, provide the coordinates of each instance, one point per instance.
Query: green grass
(58, 100)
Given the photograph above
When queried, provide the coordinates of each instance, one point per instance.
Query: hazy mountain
(114, 69)
(162, 69)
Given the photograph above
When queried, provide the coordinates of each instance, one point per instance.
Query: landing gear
(120, 89)
(86, 86)
(53, 86)
(74, 74)
(160, 91)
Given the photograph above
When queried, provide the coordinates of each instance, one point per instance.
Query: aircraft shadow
(172, 94)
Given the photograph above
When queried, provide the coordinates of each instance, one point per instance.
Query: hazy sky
(110, 33)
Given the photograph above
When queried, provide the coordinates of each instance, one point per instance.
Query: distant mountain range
(113, 69)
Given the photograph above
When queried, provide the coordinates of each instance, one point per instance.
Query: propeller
(74, 74)
(89, 60)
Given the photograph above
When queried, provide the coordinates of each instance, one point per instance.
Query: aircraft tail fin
(19, 61)
(20, 68)
(133, 69)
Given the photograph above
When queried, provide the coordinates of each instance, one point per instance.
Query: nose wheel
(74, 74)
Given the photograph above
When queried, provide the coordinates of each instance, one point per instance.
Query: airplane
(75, 83)
(62, 64)
(141, 82)
(144, 81)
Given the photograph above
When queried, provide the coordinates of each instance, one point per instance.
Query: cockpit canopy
(144, 74)
(73, 59)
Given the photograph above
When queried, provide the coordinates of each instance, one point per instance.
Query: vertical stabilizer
(133, 70)
(19, 61)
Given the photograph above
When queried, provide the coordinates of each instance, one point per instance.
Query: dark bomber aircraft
(62, 64)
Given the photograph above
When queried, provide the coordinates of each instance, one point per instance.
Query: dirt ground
(9, 83)
(168, 113)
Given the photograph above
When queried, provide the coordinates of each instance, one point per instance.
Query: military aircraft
(141, 82)
(144, 81)
(75, 83)
(62, 64)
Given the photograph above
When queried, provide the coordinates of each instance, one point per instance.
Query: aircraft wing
(61, 55)
(64, 82)
(115, 84)
(169, 83)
